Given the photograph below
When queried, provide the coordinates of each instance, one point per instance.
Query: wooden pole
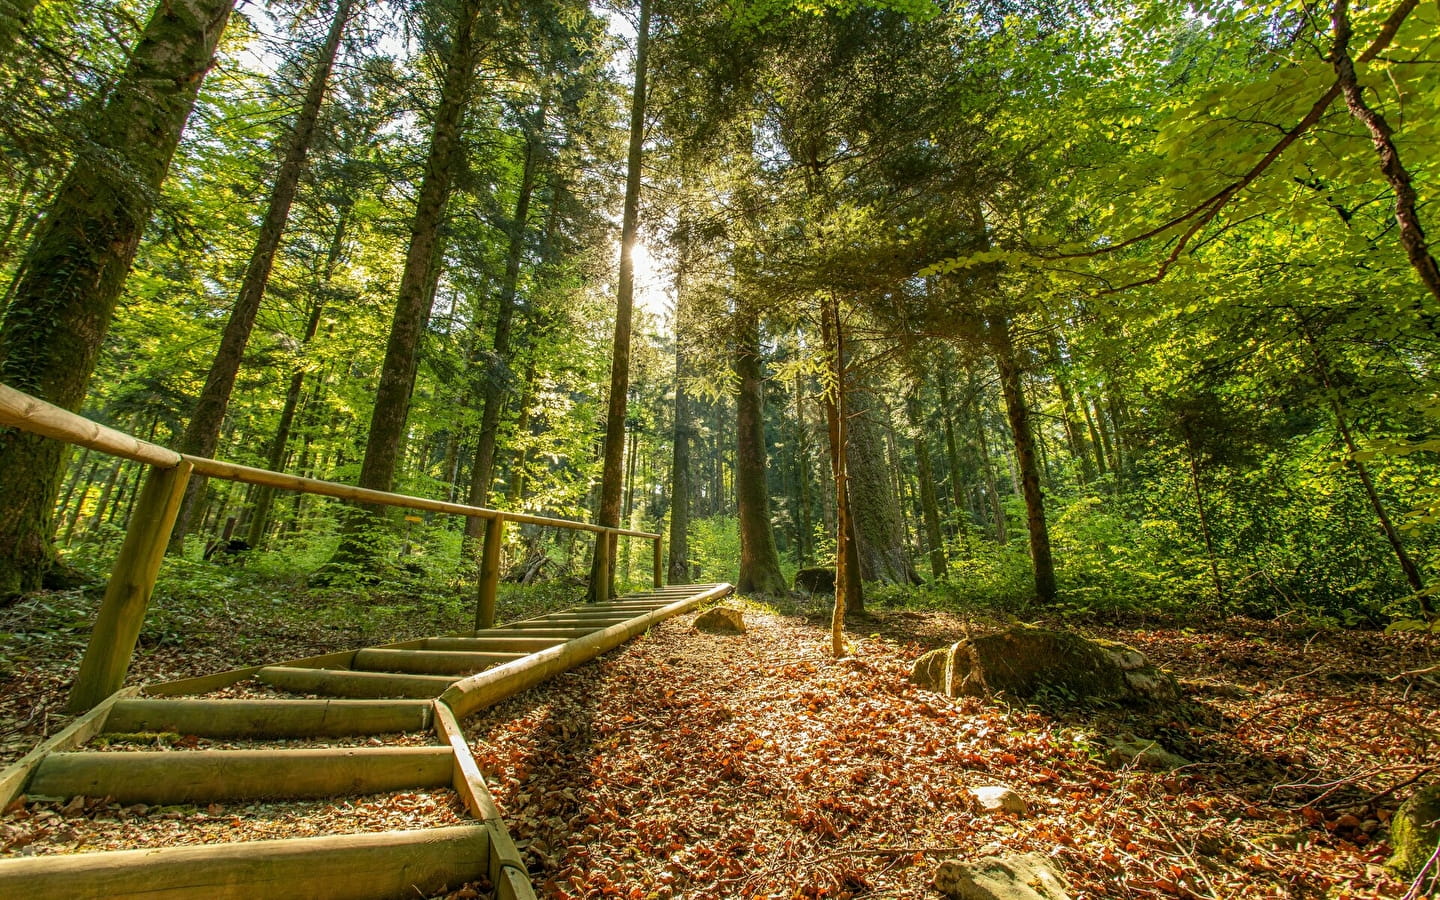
(659, 562)
(600, 590)
(489, 572)
(132, 580)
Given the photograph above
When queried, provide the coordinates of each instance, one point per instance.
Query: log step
(269, 718)
(380, 866)
(430, 662)
(188, 776)
(493, 644)
(560, 631)
(345, 683)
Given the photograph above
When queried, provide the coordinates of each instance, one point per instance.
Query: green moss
(1415, 831)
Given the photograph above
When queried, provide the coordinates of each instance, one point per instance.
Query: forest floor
(694, 765)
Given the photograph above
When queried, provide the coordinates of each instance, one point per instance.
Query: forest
(1119, 317)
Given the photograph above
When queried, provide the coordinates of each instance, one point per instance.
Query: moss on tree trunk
(76, 265)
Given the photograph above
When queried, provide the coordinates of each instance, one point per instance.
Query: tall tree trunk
(497, 377)
(613, 471)
(805, 526)
(1100, 449)
(678, 563)
(203, 431)
(423, 262)
(992, 481)
(929, 506)
(1073, 437)
(76, 265)
(759, 560)
(1018, 413)
(522, 431)
(265, 496)
(874, 508)
(849, 587)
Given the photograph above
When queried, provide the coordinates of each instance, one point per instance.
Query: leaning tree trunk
(203, 432)
(1018, 413)
(759, 560)
(613, 474)
(874, 508)
(412, 306)
(76, 264)
(496, 381)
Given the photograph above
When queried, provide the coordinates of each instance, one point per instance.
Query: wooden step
(387, 865)
(571, 622)
(269, 718)
(493, 643)
(430, 662)
(188, 776)
(346, 683)
(547, 631)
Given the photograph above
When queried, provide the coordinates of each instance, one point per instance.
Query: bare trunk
(849, 587)
(77, 262)
(678, 567)
(1018, 413)
(613, 472)
(930, 508)
(203, 432)
(759, 560)
(417, 280)
(496, 384)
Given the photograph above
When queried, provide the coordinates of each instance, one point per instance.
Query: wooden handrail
(20, 410)
(132, 578)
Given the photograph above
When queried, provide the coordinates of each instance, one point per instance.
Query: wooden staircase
(422, 685)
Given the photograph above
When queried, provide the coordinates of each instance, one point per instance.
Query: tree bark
(203, 431)
(874, 508)
(1407, 201)
(849, 587)
(497, 377)
(804, 524)
(613, 472)
(1018, 414)
(417, 279)
(76, 264)
(759, 560)
(678, 564)
(930, 508)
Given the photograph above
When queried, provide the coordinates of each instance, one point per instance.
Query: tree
(203, 432)
(759, 562)
(79, 257)
(612, 477)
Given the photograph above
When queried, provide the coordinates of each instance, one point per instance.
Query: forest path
(703, 766)
(379, 721)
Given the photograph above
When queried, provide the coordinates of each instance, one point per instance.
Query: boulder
(1027, 877)
(997, 799)
(1415, 831)
(815, 580)
(929, 670)
(721, 620)
(1025, 661)
(1144, 754)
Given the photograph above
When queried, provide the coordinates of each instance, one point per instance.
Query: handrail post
(659, 562)
(489, 572)
(132, 581)
(604, 542)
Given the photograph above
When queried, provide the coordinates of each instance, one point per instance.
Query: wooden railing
(132, 577)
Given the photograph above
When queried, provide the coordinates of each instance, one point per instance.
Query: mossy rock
(1025, 662)
(815, 580)
(1415, 830)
